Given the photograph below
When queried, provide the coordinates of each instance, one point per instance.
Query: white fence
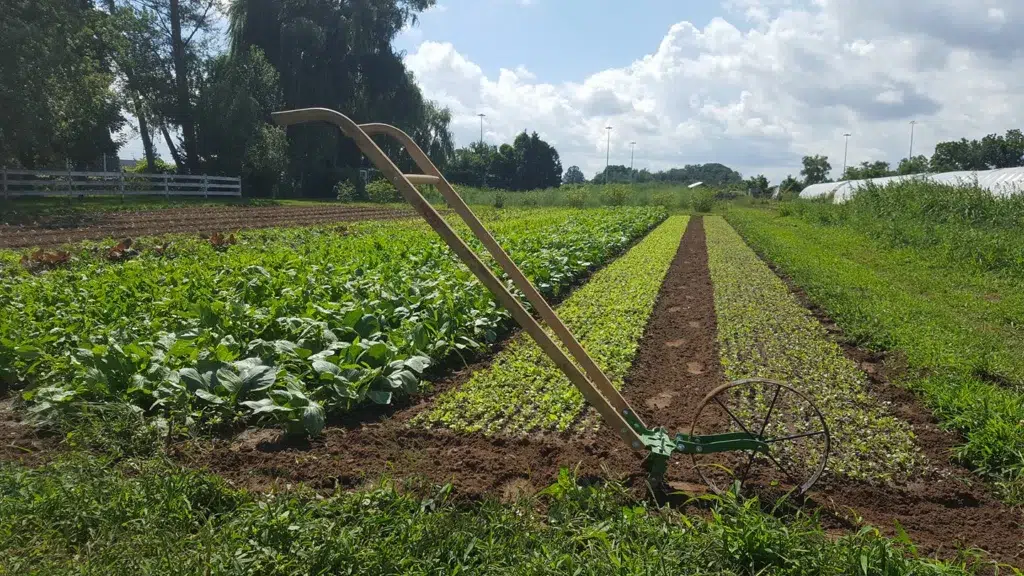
(22, 183)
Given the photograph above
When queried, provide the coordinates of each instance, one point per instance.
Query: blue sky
(557, 40)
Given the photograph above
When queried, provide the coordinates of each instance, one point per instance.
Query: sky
(753, 84)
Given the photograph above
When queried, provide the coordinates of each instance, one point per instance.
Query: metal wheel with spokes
(788, 422)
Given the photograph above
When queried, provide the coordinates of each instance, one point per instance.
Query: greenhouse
(1000, 182)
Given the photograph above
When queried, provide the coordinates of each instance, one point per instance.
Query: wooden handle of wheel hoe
(600, 393)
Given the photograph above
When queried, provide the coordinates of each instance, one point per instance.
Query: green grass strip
(764, 332)
(523, 390)
(148, 516)
(960, 330)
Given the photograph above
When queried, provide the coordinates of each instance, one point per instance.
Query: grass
(959, 330)
(59, 210)
(113, 505)
(964, 226)
(763, 332)
(523, 390)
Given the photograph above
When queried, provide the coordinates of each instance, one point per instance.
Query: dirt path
(198, 219)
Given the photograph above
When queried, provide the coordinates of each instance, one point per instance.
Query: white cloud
(775, 80)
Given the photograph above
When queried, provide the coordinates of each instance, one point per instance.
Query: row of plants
(764, 332)
(58, 519)
(523, 390)
(282, 327)
(953, 334)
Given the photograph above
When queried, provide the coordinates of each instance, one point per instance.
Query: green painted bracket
(661, 445)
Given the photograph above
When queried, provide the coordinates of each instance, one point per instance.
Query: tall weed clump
(964, 224)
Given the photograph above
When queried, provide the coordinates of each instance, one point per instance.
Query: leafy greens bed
(958, 328)
(763, 332)
(286, 326)
(524, 391)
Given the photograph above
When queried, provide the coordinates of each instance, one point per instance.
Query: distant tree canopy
(574, 176)
(991, 152)
(758, 186)
(712, 174)
(526, 164)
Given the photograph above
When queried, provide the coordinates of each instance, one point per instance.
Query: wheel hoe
(755, 429)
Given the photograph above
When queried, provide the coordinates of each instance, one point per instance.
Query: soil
(197, 219)
(19, 443)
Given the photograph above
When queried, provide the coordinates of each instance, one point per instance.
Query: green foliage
(758, 186)
(992, 151)
(815, 170)
(382, 192)
(499, 199)
(340, 55)
(574, 176)
(56, 94)
(159, 167)
(703, 200)
(523, 390)
(577, 197)
(615, 194)
(711, 174)
(344, 191)
(877, 169)
(286, 327)
(957, 330)
(528, 163)
(150, 516)
(966, 226)
(236, 96)
(764, 332)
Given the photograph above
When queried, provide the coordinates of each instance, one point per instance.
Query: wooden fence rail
(39, 183)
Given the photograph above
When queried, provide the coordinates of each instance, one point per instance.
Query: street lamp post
(607, 152)
(632, 145)
(481, 128)
(845, 150)
(910, 155)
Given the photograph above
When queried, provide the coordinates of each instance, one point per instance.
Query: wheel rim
(799, 439)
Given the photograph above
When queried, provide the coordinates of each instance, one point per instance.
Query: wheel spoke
(771, 407)
(750, 464)
(731, 415)
(781, 467)
(794, 437)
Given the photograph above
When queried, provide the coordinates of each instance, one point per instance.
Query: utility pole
(845, 150)
(481, 128)
(607, 152)
(911, 154)
(632, 145)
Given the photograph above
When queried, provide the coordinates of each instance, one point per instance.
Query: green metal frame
(660, 444)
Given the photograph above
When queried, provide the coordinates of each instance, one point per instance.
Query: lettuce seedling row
(787, 425)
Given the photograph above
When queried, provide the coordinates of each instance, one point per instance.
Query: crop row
(763, 332)
(285, 326)
(523, 390)
(959, 330)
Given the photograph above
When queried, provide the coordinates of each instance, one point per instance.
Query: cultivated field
(273, 382)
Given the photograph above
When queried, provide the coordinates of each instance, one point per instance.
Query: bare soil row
(197, 220)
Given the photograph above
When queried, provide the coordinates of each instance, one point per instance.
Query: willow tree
(338, 54)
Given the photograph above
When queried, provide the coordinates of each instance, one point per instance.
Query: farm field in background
(335, 355)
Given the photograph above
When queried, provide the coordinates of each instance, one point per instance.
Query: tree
(574, 176)
(237, 93)
(877, 169)
(338, 55)
(537, 163)
(790, 185)
(758, 186)
(916, 165)
(55, 91)
(816, 169)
